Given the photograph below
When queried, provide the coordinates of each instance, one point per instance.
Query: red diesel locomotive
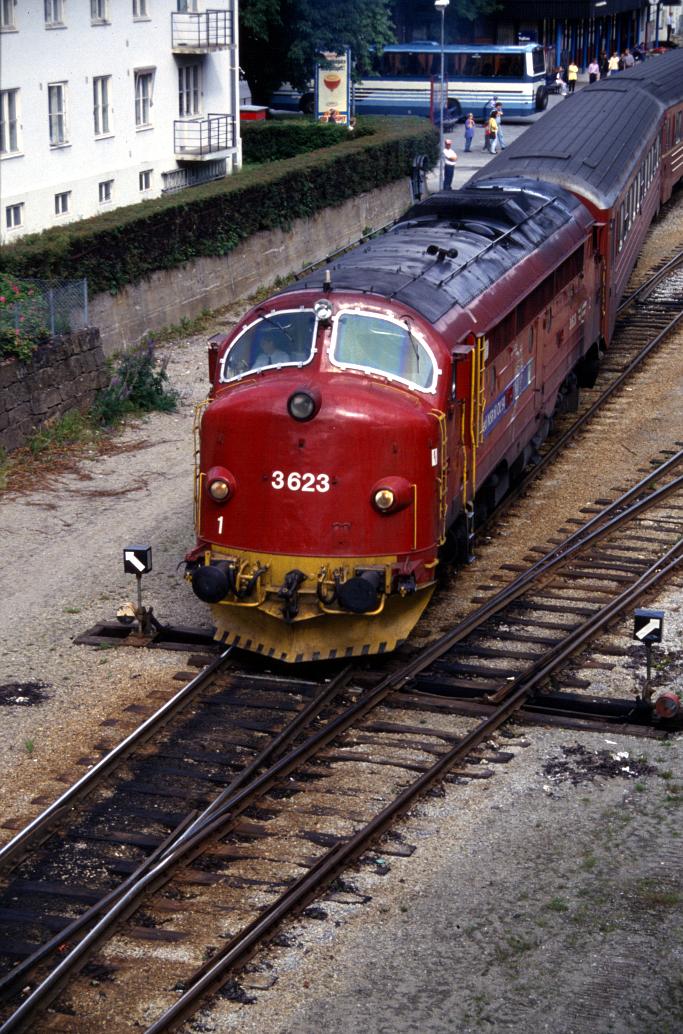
(361, 417)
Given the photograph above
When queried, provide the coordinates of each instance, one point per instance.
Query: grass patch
(558, 905)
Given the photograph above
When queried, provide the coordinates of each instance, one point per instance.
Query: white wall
(34, 55)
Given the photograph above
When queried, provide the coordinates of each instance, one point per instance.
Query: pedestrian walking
(449, 160)
(469, 131)
(499, 132)
(572, 75)
(491, 105)
(593, 71)
(613, 64)
(628, 59)
(669, 27)
(493, 132)
(604, 65)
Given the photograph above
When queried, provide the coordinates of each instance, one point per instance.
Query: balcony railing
(197, 139)
(200, 32)
(193, 175)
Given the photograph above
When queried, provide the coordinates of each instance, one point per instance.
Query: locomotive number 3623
(296, 482)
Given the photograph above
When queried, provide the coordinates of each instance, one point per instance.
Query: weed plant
(138, 385)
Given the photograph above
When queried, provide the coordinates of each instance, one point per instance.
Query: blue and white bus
(408, 81)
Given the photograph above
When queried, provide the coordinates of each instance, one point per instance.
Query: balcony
(200, 33)
(201, 139)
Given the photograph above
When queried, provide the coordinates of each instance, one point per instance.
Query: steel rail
(123, 900)
(12, 848)
(651, 283)
(217, 822)
(214, 973)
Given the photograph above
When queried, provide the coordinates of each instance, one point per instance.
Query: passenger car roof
(591, 141)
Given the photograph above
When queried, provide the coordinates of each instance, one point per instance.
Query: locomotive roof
(448, 249)
(590, 142)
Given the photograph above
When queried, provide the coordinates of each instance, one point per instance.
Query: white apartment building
(106, 103)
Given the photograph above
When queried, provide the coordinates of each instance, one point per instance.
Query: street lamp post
(441, 5)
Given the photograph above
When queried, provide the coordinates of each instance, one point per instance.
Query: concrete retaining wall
(61, 376)
(211, 283)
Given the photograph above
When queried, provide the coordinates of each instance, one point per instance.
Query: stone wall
(212, 283)
(63, 375)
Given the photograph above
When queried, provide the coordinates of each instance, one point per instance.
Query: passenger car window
(278, 339)
(384, 346)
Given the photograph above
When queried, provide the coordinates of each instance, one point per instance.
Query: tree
(282, 40)
(419, 19)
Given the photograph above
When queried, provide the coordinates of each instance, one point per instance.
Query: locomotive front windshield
(386, 347)
(278, 339)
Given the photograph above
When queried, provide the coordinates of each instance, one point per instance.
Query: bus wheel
(453, 114)
(307, 103)
(541, 98)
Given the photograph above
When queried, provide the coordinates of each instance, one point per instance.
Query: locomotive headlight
(384, 499)
(303, 404)
(323, 310)
(220, 484)
(392, 494)
(219, 490)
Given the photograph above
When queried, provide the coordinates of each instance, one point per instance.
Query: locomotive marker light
(647, 628)
(137, 560)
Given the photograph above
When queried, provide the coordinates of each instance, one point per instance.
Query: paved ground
(469, 162)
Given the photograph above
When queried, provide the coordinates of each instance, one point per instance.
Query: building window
(144, 82)
(185, 6)
(101, 109)
(54, 12)
(188, 90)
(99, 11)
(14, 216)
(62, 202)
(140, 8)
(6, 14)
(146, 179)
(9, 123)
(106, 188)
(56, 99)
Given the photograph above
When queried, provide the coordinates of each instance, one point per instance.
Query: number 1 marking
(220, 525)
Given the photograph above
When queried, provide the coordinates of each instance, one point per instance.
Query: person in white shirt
(270, 354)
(449, 160)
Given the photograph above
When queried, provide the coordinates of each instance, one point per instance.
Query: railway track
(237, 817)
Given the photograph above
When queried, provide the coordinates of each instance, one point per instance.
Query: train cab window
(385, 346)
(279, 339)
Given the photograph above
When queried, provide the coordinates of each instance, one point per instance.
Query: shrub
(276, 141)
(23, 318)
(138, 385)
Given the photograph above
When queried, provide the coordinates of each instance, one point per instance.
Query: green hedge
(275, 141)
(127, 244)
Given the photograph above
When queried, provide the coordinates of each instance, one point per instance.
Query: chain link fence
(41, 309)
